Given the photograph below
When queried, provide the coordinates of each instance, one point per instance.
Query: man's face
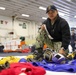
(52, 14)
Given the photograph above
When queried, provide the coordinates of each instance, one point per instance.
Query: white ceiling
(31, 7)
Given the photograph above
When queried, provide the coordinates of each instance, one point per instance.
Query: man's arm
(65, 30)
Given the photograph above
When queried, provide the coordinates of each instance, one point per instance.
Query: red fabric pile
(26, 50)
(23, 69)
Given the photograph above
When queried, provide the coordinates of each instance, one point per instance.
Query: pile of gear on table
(40, 61)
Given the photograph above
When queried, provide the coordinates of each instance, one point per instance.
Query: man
(55, 32)
(73, 39)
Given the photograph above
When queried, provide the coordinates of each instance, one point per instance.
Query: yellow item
(29, 56)
(71, 55)
(10, 59)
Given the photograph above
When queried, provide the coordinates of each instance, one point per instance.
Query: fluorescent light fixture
(25, 15)
(75, 16)
(68, 0)
(42, 8)
(61, 14)
(2, 8)
(44, 18)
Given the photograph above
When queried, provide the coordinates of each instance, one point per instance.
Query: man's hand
(61, 51)
(43, 27)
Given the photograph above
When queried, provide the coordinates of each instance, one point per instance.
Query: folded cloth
(68, 67)
(23, 69)
(27, 68)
